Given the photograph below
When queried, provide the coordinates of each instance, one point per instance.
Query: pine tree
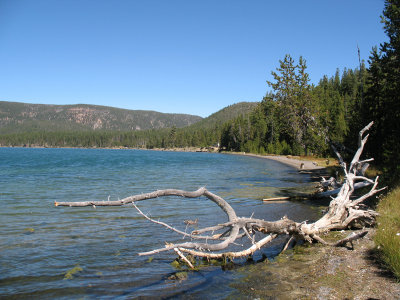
(285, 90)
(382, 103)
(296, 108)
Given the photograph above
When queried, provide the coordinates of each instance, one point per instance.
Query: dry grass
(388, 233)
(372, 172)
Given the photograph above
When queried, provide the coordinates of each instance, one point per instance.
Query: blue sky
(173, 56)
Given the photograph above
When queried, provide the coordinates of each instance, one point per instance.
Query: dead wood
(276, 199)
(342, 213)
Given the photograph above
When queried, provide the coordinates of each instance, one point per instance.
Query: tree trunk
(342, 213)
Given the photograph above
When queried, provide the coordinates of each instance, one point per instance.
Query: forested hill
(226, 114)
(18, 117)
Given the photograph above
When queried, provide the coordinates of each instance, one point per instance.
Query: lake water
(40, 243)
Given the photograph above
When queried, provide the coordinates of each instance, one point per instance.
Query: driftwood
(276, 199)
(333, 192)
(330, 187)
(342, 213)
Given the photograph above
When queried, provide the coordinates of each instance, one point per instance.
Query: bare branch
(290, 239)
(319, 239)
(361, 133)
(366, 160)
(356, 186)
(372, 192)
(170, 227)
(190, 245)
(350, 238)
(248, 235)
(355, 178)
(361, 143)
(183, 257)
(127, 200)
(341, 161)
(243, 253)
(213, 228)
(342, 213)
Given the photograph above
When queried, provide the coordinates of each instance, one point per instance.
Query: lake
(91, 253)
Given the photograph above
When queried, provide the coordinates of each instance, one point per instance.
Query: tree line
(301, 119)
(298, 118)
(145, 139)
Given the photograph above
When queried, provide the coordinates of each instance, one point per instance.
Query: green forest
(298, 118)
(294, 118)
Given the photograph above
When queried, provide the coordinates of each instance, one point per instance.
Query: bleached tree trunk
(342, 213)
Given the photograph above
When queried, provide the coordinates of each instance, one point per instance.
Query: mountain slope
(22, 117)
(226, 114)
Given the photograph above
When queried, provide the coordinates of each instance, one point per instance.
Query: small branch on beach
(343, 212)
(276, 199)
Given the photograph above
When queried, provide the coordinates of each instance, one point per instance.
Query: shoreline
(299, 164)
(321, 272)
(183, 149)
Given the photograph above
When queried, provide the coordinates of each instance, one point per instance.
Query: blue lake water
(40, 243)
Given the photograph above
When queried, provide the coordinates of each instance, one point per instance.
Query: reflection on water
(48, 252)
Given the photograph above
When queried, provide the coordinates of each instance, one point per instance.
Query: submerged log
(342, 213)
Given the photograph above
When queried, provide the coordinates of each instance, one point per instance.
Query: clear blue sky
(182, 56)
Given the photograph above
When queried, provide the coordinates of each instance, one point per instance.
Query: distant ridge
(16, 117)
(226, 114)
(93, 126)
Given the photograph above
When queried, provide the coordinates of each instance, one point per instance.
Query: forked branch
(342, 212)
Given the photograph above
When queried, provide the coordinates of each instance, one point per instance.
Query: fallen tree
(332, 186)
(344, 211)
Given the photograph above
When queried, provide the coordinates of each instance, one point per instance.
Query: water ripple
(39, 243)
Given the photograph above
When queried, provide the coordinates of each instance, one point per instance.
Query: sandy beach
(288, 160)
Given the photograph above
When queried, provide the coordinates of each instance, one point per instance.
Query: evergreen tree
(296, 108)
(382, 103)
(285, 91)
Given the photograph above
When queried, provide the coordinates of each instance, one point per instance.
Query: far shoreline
(297, 163)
